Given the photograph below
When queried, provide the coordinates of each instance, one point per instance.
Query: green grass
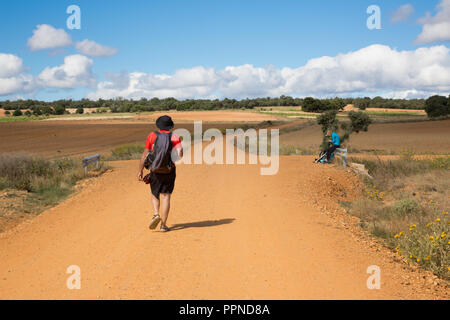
(22, 118)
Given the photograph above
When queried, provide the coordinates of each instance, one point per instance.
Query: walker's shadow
(201, 224)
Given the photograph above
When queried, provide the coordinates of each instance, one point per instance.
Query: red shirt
(176, 141)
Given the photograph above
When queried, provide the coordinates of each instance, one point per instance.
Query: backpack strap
(170, 138)
(157, 136)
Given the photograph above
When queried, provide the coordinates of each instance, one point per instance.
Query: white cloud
(436, 28)
(75, 72)
(47, 37)
(402, 13)
(370, 70)
(10, 65)
(93, 49)
(13, 78)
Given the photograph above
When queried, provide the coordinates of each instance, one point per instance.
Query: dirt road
(236, 235)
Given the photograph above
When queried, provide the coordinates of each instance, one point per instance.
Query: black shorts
(162, 183)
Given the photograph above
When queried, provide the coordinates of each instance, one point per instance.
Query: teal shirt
(335, 139)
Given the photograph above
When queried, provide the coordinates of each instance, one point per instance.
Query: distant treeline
(155, 104)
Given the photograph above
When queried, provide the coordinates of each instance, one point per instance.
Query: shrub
(59, 110)
(437, 106)
(7, 113)
(427, 244)
(359, 121)
(80, 110)
(17, 113)
(406, 206)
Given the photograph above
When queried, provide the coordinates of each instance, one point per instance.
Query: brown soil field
(232, 238)
(350, 107)
(74, 138)
(212, 116)
(422, 137)
(79, 138)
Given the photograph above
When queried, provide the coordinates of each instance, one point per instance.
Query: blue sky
(161, 37)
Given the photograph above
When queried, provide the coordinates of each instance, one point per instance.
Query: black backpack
(159, 160)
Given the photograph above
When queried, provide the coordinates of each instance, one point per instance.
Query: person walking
(162, 147)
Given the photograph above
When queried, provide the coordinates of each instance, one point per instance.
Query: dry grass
(31, 184)
(406, 204)
(127, 152)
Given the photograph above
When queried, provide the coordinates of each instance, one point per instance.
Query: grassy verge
(22, 118)
(126, 152)
(406, 204)
(32, 184)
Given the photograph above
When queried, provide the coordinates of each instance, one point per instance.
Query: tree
(328, 121)
(337, 104)
(437, 106)
(362, 104)
(60, 109)
(37, 111)
(312, 105)
(48, 110)
(359, 121)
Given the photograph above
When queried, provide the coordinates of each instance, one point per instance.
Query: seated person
(334, 143)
